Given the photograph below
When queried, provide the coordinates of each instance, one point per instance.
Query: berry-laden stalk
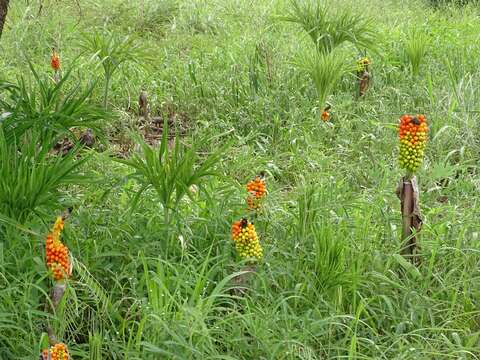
(58, 351)
(55, 64)
(256, 192)
(413, 135)
(246, 240)
(58, 262)
(57, 254)
(363, 76)
(325, 114)
(248, 247)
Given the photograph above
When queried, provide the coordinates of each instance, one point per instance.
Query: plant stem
(166, 221)
(105, 91)
(411, 218)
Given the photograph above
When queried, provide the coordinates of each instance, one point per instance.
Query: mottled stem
(407, 191)
(56, 296)
(241, 281)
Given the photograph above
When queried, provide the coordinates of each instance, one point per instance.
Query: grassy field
(153, 274)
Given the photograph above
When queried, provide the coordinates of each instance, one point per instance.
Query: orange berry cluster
(57, 255)
(413, 133)
(325, 115)
(56, 352)
(256, 189)
(55, 61)
(246, 239)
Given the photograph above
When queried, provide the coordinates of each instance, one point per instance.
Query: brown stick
(3, 13)
(143, 105)
(363, 82)
(407, 191)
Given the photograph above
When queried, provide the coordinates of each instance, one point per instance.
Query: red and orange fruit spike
(58, 351)
(325, 115)
(55, 60)
(413, 136)
(256, 189)
(57, 254)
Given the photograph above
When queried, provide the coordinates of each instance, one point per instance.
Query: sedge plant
(112, 50)
(30, 176)
(48, 108)
(416, 45)
(325, 70)
(326, 255)
(171, 172)
(329, 28)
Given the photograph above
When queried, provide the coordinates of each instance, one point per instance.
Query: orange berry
(57, 255)
(55, 61)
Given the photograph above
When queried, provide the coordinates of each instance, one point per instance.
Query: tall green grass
(329, 26)
(331, 284)
(325, 70)
(416, 46)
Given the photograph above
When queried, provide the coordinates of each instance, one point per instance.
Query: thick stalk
(363, 83)
(407, 191)
(56, 296)
(105, 92)
(242, 280)
(168, 234)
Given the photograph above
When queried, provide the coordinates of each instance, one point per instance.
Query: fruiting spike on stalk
(363, 76)
(57, 254)
(58, 351)
(362, 64)
(325, 116)
(55, 60)
(246, 240)
(256, 190)
(413, 135)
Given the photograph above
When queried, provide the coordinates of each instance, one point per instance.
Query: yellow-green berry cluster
(413, 135)
(246, 240)
(362, 64)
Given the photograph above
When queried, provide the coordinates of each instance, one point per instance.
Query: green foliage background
(331, 284)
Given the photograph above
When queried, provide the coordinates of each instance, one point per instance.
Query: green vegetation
(154, 265)
(416, 49)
